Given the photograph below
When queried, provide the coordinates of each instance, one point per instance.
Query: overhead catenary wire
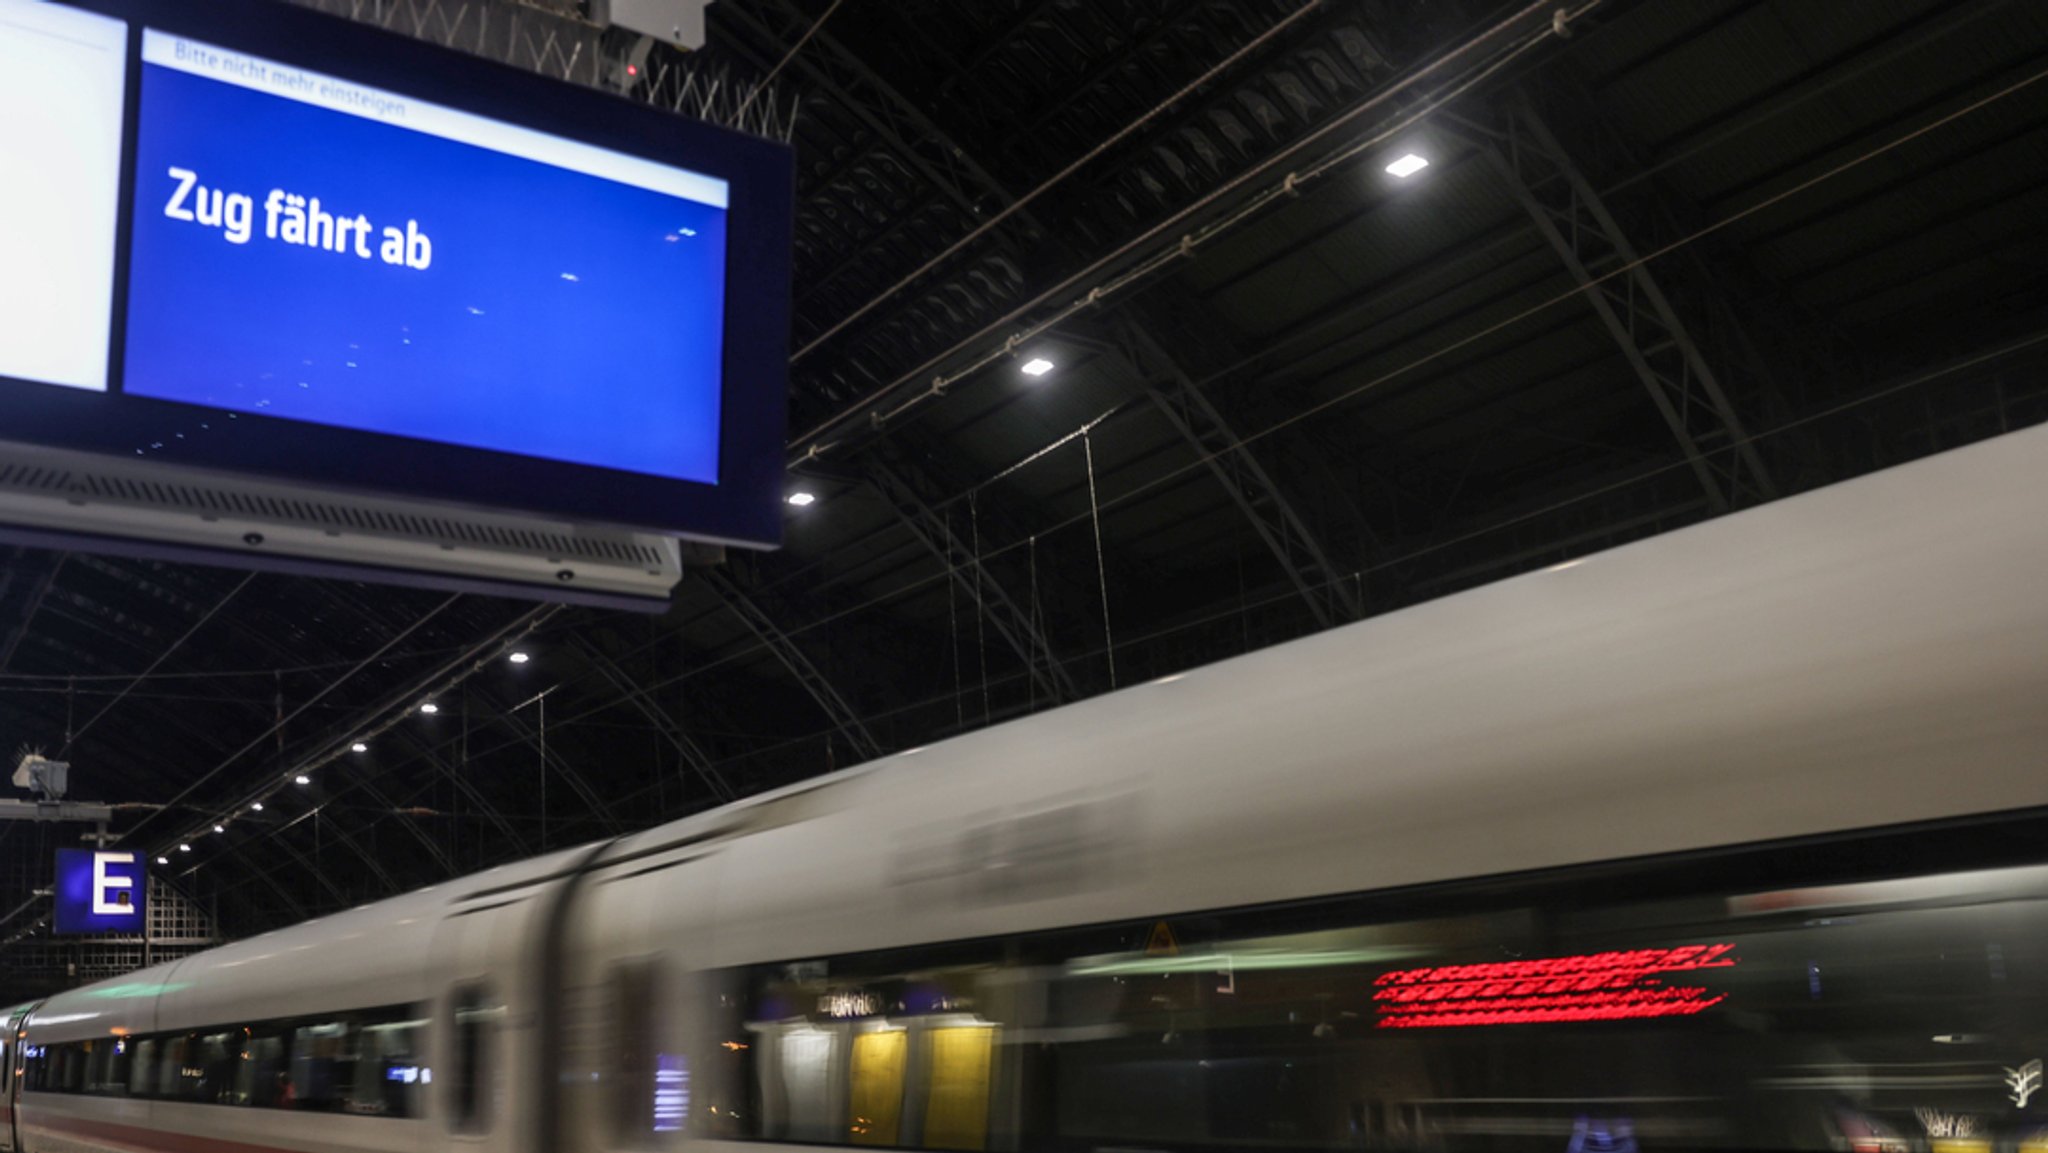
(259, 738)
(1553, 302)
(71, 737)
(1101, 566)
(1559, 298)
(1244, 605)
(816, 27)
(1056, 179)
(1193, 242)
(1725, 222)
(812, 444)
(397, 709)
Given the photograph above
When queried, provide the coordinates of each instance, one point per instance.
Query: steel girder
(950, 169)
(1331, 594)
(467, 788)
(1633, 308)
(1016, 626)
(263, 638)
(894, 120)
(32, 603)
(692, 754)
(178, 721)
(786, 650)
(510, 33)
(554, 761)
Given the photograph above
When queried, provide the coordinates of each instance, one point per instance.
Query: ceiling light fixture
(303, 779)
(519, 658)
(257, 807)
(358, 747)
(220, 828)
(802, 499)
(430, 708)
(1407, 166)
(184, 848)
(1037, 366)
(163, 860)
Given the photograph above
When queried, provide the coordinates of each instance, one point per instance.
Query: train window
(262, 1075)
(368, 1063)
(76, 1056)
(1877, 1017)
(142, 1071)
(634, 1030)
(323, 1065)
(209, 1073)
(170, 1066)
(96, 1054)
(392, 1074)
(106, 1070)
(471, 1081)
(36, 1063)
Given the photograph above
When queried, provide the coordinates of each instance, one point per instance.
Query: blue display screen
(265, 241)
(314, 250)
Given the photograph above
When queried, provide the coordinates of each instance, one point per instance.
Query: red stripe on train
(143, 1140)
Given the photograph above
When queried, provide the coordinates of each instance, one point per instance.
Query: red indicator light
(632, 70)
(1591, 987)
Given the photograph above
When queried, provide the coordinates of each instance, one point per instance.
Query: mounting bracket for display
(59, 498)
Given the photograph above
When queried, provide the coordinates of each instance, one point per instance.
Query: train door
(7, 1046)
(640, 923)
(11, 1070)
(487, 1014)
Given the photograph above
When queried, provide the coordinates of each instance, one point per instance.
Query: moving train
(1730, 839)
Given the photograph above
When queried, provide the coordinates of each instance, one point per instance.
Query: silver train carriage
(1729, 839)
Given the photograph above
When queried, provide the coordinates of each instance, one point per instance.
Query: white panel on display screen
(60, 174)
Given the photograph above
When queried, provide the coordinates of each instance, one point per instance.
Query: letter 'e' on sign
(100, 891)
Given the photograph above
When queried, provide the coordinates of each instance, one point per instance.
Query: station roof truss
(1664, 262)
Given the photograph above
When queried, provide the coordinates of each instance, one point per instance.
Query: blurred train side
(1870, 654)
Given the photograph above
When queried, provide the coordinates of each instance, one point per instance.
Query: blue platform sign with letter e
(100, 891)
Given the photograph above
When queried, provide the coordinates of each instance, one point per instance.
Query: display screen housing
(336, 256)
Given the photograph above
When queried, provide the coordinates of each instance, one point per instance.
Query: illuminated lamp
(1407, 166)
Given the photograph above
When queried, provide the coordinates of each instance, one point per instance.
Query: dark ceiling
(1692, 256)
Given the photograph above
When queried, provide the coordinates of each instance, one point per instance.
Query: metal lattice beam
(520, 35)
(629, 689)
(950, 169)
(1330, 592)
(1632, 307)
(453, 775)
(896, 123)
(787, 651)
(556, 762)
(31, 604)
(561, 45)
(1011, 622)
